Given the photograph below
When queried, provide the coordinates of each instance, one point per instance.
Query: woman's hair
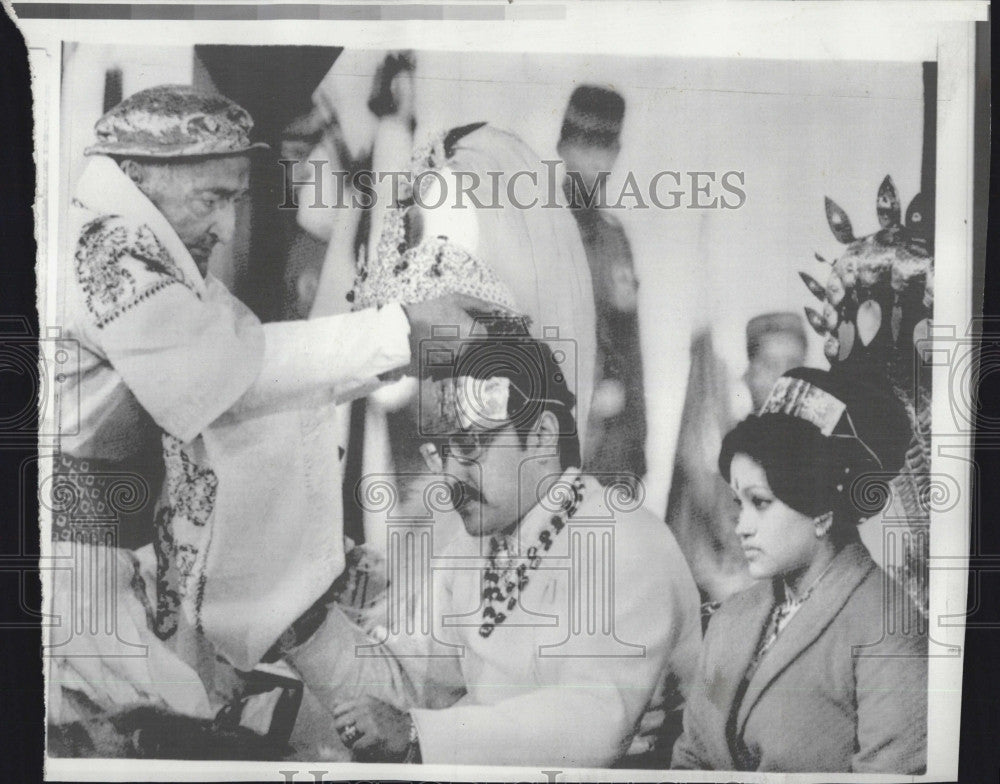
(845, 472)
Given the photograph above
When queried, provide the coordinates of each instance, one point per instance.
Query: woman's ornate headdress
(879, 294)
(876, 308)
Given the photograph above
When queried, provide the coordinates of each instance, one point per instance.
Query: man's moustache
(203, 248)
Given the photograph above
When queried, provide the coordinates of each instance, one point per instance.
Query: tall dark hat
(594, 116)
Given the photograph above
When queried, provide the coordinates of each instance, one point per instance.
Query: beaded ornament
(505, 581)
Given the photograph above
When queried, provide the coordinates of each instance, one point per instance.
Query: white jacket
(541, 689)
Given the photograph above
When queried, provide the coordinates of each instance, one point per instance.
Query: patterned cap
(174, 121)
(774, 323)
(500, 376)
(594, 116)
(797, 398)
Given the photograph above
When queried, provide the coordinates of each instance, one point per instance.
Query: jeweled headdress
(464, 402)
(881, 289)
(480, 217)
(798, 398)
(876, 307)
(425, 252)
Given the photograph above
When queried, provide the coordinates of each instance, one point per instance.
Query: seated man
(554, 616)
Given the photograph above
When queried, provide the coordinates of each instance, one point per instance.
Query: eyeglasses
(469, 445)
(466, 447)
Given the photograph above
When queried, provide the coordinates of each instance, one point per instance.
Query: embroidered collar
(105, 189)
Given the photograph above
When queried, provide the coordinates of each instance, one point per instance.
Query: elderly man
(180, 386)
(533, 657)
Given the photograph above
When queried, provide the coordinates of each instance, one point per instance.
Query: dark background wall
(275, 88)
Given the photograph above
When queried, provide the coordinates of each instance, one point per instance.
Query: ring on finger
(349, 734)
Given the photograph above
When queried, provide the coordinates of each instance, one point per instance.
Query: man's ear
(546, 431)
(133, 170)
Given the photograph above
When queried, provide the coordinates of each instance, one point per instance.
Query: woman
(816, 667)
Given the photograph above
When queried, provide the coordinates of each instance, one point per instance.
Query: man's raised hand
(436, 324)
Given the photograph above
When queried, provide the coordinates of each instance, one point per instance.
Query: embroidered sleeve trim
(119, 266)
(182, 536)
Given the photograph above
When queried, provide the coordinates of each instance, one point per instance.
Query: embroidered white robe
(249, 524)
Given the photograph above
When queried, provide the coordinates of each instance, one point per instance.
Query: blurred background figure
(366, 101)
(367, 110)
(305, 251)
(589, 145)
(700, 508)
(776, 342)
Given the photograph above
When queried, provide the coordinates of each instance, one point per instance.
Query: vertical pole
(928, 161)
(112, 88)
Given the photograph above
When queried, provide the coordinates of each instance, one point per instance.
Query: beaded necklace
(505, 581)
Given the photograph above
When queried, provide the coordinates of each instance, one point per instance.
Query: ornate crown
(876, 307)
(413, 264)
(881, 288)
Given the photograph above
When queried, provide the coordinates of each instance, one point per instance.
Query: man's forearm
(340, 662)
(530, 729)
(338, 354)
